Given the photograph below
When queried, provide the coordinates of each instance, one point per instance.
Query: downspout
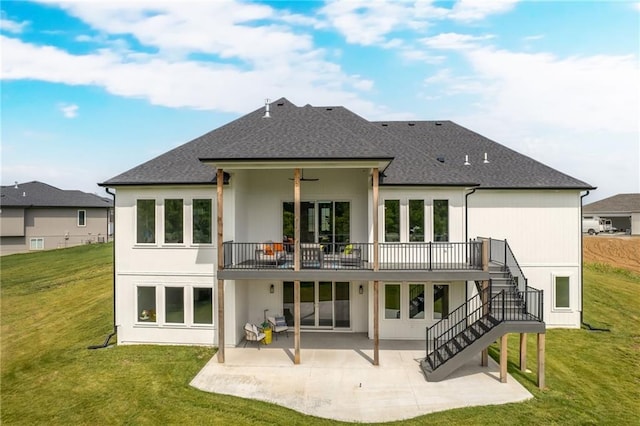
(588, 326)
(466, 237)
(114, 332)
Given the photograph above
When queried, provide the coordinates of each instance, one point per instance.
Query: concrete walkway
(342, 384)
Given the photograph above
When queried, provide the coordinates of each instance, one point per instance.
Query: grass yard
(56, 303)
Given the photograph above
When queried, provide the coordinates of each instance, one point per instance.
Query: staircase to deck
(507, 305)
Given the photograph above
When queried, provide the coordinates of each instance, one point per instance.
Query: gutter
(588, 326)
(114, 332)
(466, 236)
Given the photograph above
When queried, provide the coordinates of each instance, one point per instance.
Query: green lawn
(55, 304)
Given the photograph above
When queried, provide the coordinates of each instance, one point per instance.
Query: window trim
(384, 301)
(554, 292)
(211, 218)
(433, 301)
(424, 302)
(433, 220)
(155, 223)
(384, 220)
(137, 321)
(164, 222)
(36, 239)
(84, 224)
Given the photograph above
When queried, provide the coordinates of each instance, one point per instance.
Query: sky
(90, 89)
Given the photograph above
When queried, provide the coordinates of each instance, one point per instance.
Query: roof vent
(282, 103)
(440, 159)
(16, 184)
(486, 159)
(438, 123)
(266, 109)
(384, 124)
(24, 194)
(466, 160)
(411, 124)
(329, 109)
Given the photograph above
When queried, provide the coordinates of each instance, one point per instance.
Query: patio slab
(340, 383)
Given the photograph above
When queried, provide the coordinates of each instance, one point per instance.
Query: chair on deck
(252, 334)
(278, 325)
(270, 254)
(351, 256)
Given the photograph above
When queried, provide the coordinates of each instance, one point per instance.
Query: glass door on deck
(323, 304)
(307, 304)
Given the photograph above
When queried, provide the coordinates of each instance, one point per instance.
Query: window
(82, 218)
(146, 221)
(416, 301)
(202, 221)
(440, 220)
(174, 304)
(562, 292)
(173, 221)
(202, 305)
(416, 220)
(392, 221)
(440, 301)
(36, 244)
(147, 304)
(391, 301)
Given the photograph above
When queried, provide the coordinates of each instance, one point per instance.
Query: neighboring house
(37, 216)
(372, 226)
(623, 210)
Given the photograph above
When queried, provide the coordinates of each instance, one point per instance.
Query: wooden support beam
(219, 236)
(485, 296)
(296, 264)
(523, 352)
(376, 267)
(503, 358)
(541, 338)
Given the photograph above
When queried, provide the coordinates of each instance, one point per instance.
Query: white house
(345, 225)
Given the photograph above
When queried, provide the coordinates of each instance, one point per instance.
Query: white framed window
(173, 221)
(146, 304)
(561, 292)
(202, 305)
(392, 300)
(146, 221)
(36, 244)
(440, 301)
(82, 218)
(417, 297)
(201, 230)
(174, 305)
(392, 221)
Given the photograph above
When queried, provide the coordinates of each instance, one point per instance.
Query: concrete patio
(336, 379)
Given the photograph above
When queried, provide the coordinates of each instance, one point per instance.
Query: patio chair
(351, 256)
(270, 254)
(278, 325)
(312, 255)
(252, 334)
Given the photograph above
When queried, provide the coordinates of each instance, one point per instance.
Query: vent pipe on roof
(24, 194)
(16, 184)
(266, 109)
(486, 159)
(466, 160)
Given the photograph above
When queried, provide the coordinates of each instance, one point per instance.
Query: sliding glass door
(330, 226)
(323, 304)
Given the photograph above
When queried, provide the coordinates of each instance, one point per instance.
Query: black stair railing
(480, 314)
(458, 320)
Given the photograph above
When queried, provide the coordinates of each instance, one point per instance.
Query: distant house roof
(38, 194)
(418, 152)
(621, 203)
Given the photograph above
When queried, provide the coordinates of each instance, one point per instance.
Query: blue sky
(92, 89)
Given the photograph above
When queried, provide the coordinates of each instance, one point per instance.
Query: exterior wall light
(361, 289)
(272, 289)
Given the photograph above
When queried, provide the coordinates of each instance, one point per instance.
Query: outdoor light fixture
(361, 289)
(272, 289)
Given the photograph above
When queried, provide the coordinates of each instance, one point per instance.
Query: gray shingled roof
(621, 203)
(38, 194)
(323, 133)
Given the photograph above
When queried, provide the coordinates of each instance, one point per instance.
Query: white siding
(543, 229)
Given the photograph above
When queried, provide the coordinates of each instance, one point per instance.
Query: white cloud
(454, 41)
(475, 10)
(69, 110)
(12, 26)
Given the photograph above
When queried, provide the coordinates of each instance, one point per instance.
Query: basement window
(440, 301)
(36, 244)
(561, 293)
(392, 301)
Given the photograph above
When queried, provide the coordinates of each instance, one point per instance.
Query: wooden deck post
(484, 358)
(219, 185)
(503, 358)
(376, 268)
(541, 338)
(296, 264)
(523, 352)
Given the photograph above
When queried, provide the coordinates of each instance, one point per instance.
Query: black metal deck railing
(429, 256)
